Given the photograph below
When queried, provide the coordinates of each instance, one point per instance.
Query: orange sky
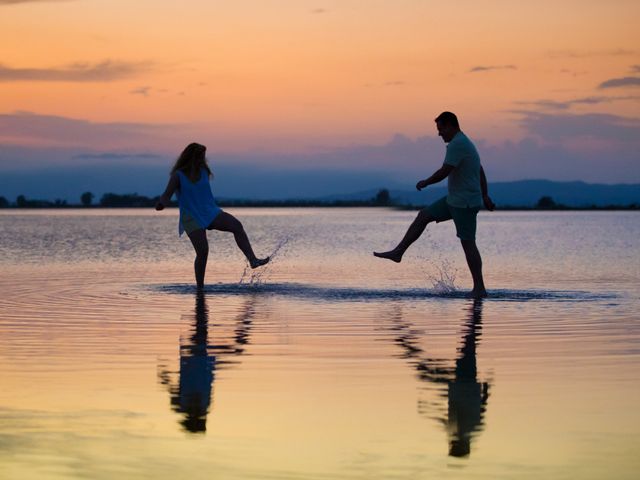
(294, 75)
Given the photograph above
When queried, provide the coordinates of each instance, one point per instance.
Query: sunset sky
(547, 89)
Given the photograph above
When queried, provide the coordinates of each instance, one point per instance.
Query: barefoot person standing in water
(198, 210)
(467, 186)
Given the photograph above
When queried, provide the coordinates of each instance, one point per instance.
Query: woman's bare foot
(390, 255)
(258, 262)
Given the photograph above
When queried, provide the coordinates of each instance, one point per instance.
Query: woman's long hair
(191, 161)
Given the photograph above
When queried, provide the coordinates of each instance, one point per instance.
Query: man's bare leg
(474, 260)
(413, 233)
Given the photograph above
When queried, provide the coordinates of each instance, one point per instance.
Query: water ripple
(329, 293)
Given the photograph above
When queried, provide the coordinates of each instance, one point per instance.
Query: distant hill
(525, 193)
(522, 193)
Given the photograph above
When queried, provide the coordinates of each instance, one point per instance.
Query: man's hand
(159, 205)
(488, 203)
(421, 184)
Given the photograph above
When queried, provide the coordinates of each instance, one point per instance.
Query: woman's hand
(165, 198)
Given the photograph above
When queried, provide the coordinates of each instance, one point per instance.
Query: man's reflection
(199, 359)
(466, 396)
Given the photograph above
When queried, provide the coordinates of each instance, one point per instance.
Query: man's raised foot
(390, 255)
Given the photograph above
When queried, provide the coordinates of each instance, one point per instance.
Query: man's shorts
(463, 218)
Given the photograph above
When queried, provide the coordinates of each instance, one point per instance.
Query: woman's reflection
(466, 396)
(199, 359)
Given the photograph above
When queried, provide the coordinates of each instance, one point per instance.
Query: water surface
(329, 363)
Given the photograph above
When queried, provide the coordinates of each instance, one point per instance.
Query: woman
(198, 210)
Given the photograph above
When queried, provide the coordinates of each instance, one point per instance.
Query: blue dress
(197, 205)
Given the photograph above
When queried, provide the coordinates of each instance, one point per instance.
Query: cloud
(229, 182)
(117, 156)
(26, 128)
(621, 82)
(616, 52)
(574, 73)
(397, 164)
(105, 71)
(635, 68)
(29, 158)
(319, 10)
(486, 68)
(388, 84)
(144, 91)
(66, 172)
(530, 158)
(565, 105)
(13, 2)
(567, 127)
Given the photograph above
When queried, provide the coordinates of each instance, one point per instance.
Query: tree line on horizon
(86, 200)
(381, 199)
(133, 200)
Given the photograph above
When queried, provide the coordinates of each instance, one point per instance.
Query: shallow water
(328, 363)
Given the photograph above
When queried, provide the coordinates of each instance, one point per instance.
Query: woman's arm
(172, 186)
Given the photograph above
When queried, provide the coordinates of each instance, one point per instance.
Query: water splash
(444, 281)
(256, 277)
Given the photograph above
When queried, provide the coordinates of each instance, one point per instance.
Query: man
(467, 187)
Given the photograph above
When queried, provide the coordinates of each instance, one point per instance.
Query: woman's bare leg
(201, 245)
(225, 222)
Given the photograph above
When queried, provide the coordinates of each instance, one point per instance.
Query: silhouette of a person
(466, 396)
(467, 192)
(197, 368)
(199, 212)
(191, 396)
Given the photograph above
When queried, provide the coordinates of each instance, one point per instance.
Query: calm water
(328, 364)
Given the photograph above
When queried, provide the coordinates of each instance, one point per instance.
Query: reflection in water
(199, 359)
(466, 397)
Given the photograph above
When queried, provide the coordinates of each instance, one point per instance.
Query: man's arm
(165, 198)
(438, 176)
(485, 191)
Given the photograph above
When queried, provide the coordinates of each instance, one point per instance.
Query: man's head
(448, 126)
